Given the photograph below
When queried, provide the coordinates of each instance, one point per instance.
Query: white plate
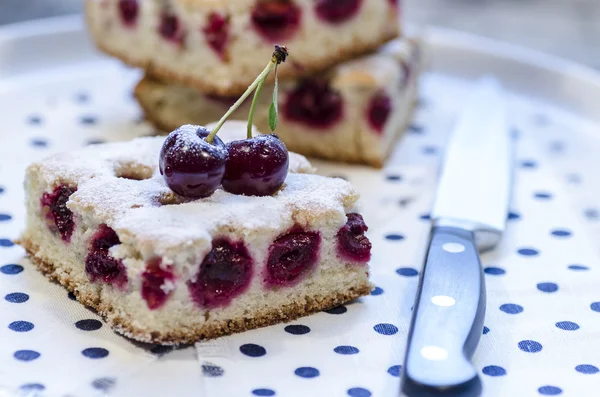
(58, 93)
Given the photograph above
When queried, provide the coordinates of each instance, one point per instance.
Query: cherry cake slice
(219, 46)
(354, 112)
(162, 268)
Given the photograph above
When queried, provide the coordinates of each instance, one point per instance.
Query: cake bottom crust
(91, 298)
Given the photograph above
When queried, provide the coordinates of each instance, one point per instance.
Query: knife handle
(447, 319)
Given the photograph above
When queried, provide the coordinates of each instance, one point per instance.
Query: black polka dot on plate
(30, 388)
(377, 291)
(511, 308)
(595, 306)
(528, 251)
(95, 352)
(547, 287)
(385, 329)
(346, 350)
(561, 233)
(493, 370)
(486, 330)
(39, 142)
(88, 325)
(307, 372)
(359, 392)
(17, 297)
(212, 371)
(513, 216)
(34, 120)
(11, 269)
(550, 390)
(88, 120)
(407, 271)
(542, 195)
(587, 369)
(95, 141)
(591, 214)
(26, 355)
(494, 271)
(297, 329)
(567, 325)
(253, 350)
(263, 392)
(104, 384)
(578, 267)
(394, 178)
(21, 326)
(425, 217)
(394, 370)
(337, 310)
(2, 189)
(4, 242)
(529, 164)
(530, 346)
(5, 217)
(394, 237)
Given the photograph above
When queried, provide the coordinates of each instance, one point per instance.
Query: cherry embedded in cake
(216, 32)
(170, 28)
(181, 270)
(128, 11)
(314, 103)
(276, 20)
(379, 110)
(337, 11)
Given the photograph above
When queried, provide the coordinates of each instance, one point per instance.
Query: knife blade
(468, 217)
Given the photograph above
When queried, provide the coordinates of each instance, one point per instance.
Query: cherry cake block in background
(353, 112)
(218, 46)
(166, 269)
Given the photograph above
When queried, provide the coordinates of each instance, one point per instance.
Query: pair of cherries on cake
(195, 162)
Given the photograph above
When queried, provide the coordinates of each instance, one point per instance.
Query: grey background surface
(568, 28)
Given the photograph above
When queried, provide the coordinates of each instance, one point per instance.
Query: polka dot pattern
(547, 287)
(359, 392)
(530, 346)
(253, 350)
(407, 272)
(587, 369)
(26, 355)
(263, 392)
(493, 370)
(297, 329)
(386, 329)
(550, 390)
(88, 325)
(95, 352)
(21, 326)
(11, 269)
(17, 297)
(567, 325)
(307, 372)
(346, 350)
(511, 308)
(394, 370)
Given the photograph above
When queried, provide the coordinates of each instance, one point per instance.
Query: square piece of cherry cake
(162, 268)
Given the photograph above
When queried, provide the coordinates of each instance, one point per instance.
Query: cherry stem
(279, 55)
(260, 80)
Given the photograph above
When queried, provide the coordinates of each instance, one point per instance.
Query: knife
(468, 217)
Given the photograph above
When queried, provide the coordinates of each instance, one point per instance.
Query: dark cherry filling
(379, 110)
(291, 257)
(154, 288)
(170, 28)
(337, 11)
(217, 33)
(128, 10)
(58, 217)
(352, 242)
(314, 103)
(276, 19)
(224, 274)
(100, 264)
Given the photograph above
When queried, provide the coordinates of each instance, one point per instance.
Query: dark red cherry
(256, 166)
(336, 11)
(170, 28)
(379, 110)
(155, 284)
(190, 165)
(276, 20)
(352, 243)
(58, 217)
(291, 257)
(314, 103)
(224, 274)
(216, 32)
(100, 265)
(128, 10)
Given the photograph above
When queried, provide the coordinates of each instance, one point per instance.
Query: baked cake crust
(102, 223)
(392, 74)
(316, 45)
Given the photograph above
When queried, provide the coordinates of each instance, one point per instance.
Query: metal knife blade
(476, 180)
